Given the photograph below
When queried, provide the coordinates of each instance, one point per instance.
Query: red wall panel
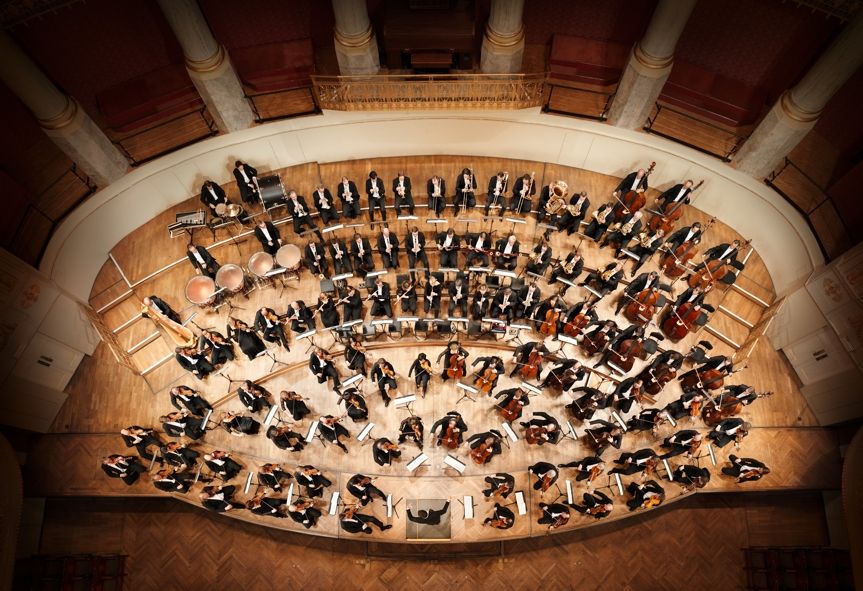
(622, 21)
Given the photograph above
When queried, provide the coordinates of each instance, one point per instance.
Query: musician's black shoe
(386, 402)
(386, 527)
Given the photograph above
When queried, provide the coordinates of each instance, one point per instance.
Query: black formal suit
(543, 419)
(353, 308)
(673, 195)
(193, 403)
(626, 185)
(584, 467)
(208, 267)
(181, 456)
(621, 237)
(272, 245)
(164, 308)
(323, 369)
(341, 257)
(467, 197)
(571, 222)
(474, 441)
(591, 501)
(717, 251)
(221, 501)
(307, 517)
(474, 256)
(212, 198)
(405, 200)
(501, 479)
(384, 457)
(273, 480)
(391, 260)
(325, 204)
(378, 202)
(517, 187)
(271, 330)
(301, 215)
(456, 302)
(540, 469)
(128, 469)
(433, 517)
(502, 259)
(441, 425)
(528, 298)
(726, 431)
(436, 204)
(679, 443)
(503, 304)
(679, 237)
(246, 183)
(190, 426)
(544, 260)
(219, 352)
(350, 198)
(360, 523)
(179, 482)
(365, 493)
(196, 364)
(363, 260)
(314, 483)
(248, 340)
(496, 200)
(252, 402)
(316, 259)
(418, 242)
(448, 253)
(634, 462)
(572, 276)
(381, 305)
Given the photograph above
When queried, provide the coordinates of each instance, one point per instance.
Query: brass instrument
(601, 217)
(644, 239)
(569, 267)
(182, 336)
(557, 198)
(615, 227)
(575, 210)
(536, 256)
(606, 275)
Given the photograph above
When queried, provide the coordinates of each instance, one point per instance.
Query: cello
(625, 354)
(669, 214)
(530, 370)
(481, 453)
(711, 272)
(512, 410)
(655, 381)
(549, 325)
(642, 308)
(456, 367)
(712, 379)
(574, 327)
(450, 438)
(679, 323)
(633, 200)
(485, 382)
(595, 344)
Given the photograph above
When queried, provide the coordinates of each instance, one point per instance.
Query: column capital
(65, 118)
(210, 64)
(502, 39)
(358, 40)
(794, 111)
(651, 62)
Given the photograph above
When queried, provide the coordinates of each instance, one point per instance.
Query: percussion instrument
(234, 210)
(288, 256)
(261, 263)
(220, 209)
(231, 277)
(201, 291)
(272, 191)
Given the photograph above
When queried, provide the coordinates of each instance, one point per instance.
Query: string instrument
(546, 483)
(388, 371)
(456, 367)
(389, 447)
(633, 200)
(651, 501)
(712, 272)
(595, 344)
(594, 473)
(415, 427)
(181, 335)
(559, 521)
(642, 308)
(530, 369)
(485, 382)
(450, 438)
(597, 441)
(625, 354)
(549, 325)
(729, 407)
(502, 490)
(500, 523)
(679, 323)
(695, 407)
(574, 327)
(655, 381)
(711, 379)
(426, 366)
(596, 509)
(669, 214)
(674, 264)
(534, 435)
(481, 453)
(512, 410)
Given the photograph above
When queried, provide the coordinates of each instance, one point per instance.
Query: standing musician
(294, 404)
(248, 340)
(355, 404)
(380, 295)
(286, 439)
(221, 349)
(272, 476)
(496, 196)
(127, 468)
(688, 405)
(634, 181)
(465, 190)
(247, 180)
(451, 426)
(189, 398)
(341, 258)
(601, 219)
(546, 475)
(691, 477)
(313, 480)
(478, 247)
(436, 189)
(521, 356)
(588, 468)
(564, 375)
(268, 323)
(353, 304)
(454, 357)
(328, 310)
(384, 376)
(321, 365)
(194, 362)
(448, 244)
(361, 254)
(569, 269)
(528, 298)
(402, 192)
(605, 281)
(506, 252)
(457, 297)
(325, 204)
(501, 518)
(721, 252)
(431, 297)
(591, 400)
(219, 498)
(683, 235)
(377, 196)
(254, 397)
(679, 193)
(361, 487)
(415, 243)
(303, 511)
(171, 480)
(202, 261)
(222, 464)
(648, 243)
(620, 233)
(411, 428)
(729, 430)
(388, 249)
(355, 355)
(315, 258)
(522, 190)
(513, 403)
(646, 495)
(261, 505)
(500, 485)
(239, 425)
(554, 515)
(489, 373)
(578, 206)
(481, 302)
(484, 446)
(212, 195)
(635, 287)
(350, 198)
(407, 297)
(301, 216)
(384, 451)
(269, 237)
(745, 469)
(596, 504)
(643, 460)
(503, 304)
(599, 438)
(541, 429)
(539, 258)
(157, 305)
(686, 441)
(332, 430)
(354, 523)
(421, 369)
(300, 316)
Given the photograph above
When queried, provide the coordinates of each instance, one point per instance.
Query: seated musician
(407, 296)
(645, 247)
(539, 259)
(644, 461)
(303, 511)
(528, 298)
(686, 441)
(606, 280)
(601, 218)
(496, 197)
(448, 244)
(571, 325)
(503, 304)
(180, 455)
(286, 439)
(513, 403)
(492, 362)
(546, 311)
(341, 258)
(212, 195)
(353, 522)
(501, 518)
(451, 420)
(402, 192)
(457, 298)
(361, 487)
(315, 259)
(719, 363)
(634, 181)
(684, 234)
(649, 419)
(729, 430)
(429, 516)
(436, 189)
(247, 180)
(239, 425)
(294, 404)
(431, 297)
(478, 247)
(689, 404)
(453, 349)
(269, 237)
(300, 316)
(190, 399)
(195, 363)
(465, 190)
(328, 310)
(521, 356)
(221, 349)
(546, 475)
(380, 296)
(255, 398)
(506, 252)
(604, 332)
(355, 355)
(356, 406)
(628, 391)
(600, 438)
(384, 451)
(384, 376)
(415, 244)
(321, 365)
(596, 504)
(332, 430)
(590, 400)
(551, 204)
(350, 198)
(312, 479)
(126, 468)
(222, 464)
(388, 249)
(501, 485)
(301, 215)
(361, 255)
(522, 190)
(646, 495)
(574, 214)
(171, 480)
(554, 515)
(268, 323)
(421, 370)
(692, 295)
(620, 233)
(588, 468)
(564, 375)
(249, 341)
(691, 477)
(743, 393)
(202, 261)
(635, 287)
(260, 504)
(159, 306)
(219, 498)
(353, 304)
(412, 428)
(745, 469)
(272, 476)
(569, 269)
(484, 446)
(541, 429)
(670, 358)
(325, 204)
(377, 196)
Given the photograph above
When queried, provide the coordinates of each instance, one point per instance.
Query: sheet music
(509, 432)
(416, 462)
(361, 436)
(334, 503)
(313, 429)
(454, 463)
(519, 501)
(468, 507)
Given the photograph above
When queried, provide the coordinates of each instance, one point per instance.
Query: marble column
(503, 42)
(60, 116)
(209, 66)
(354, 37)
(797, 110)
(649, 65)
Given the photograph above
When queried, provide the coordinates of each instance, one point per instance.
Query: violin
(534, 435)
(426, 366)
(633, 200)
(450, 438)
(680, 322)
(625, 354)
(485, 382)
(712, 272)
(549, 325)
(674, 264)
(643, 307)
(512, 410)
(388, 371)
(530, 369)
(574, 327)
(559, 521)
(456, 367)
(596, 509)
(501, 490)
(389, 446)
(481, 453)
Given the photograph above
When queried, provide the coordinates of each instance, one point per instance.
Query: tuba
(557, 198)
(182, 336)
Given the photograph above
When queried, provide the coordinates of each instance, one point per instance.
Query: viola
(549, 325)
(643, 307)
(595, 344)
(481, 453)
(574, 327)
(511, 411)
(655, 381)
(450, 438)
(485, 382)
(625, 354)
(530, 369)
(712, 272)
(594, 472)
(680, 322)
(674, 265)
(456, 367)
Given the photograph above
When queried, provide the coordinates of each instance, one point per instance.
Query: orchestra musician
(268, 235)
(384, 451)
(248, 340)
(596, 504)
(745, 469)
(513, 403)
(721, 252)
(328, 310)
(688, 405)
(286, 439)
(272, 476)
(503, 304)
(402, 192)
(254, 397)
(388, 249)
(126, 468)
(457, 297)
(361, 254)
(436, 189)
(539, 258)
(644, 495)
(546, 475)
(541, 429)
(591, 400)
(478, 247)
(636, 286)
(212, 195)
(315, 259)
(429, 516)
(190, 399)
(644, 461)
(294, 404)
(171, 480)
(521, 356)
(683, 235)
(202, 260)
(606, 280)
(679, 193)
(465, 190)
(729, 430)
(620, 233)
(377, 196)
(321, 365)
(222, 464)
(564, 375)
(528, 297)
(588, 468)
(324, 203)
(496, 196)
(501, 485)
(341, 258)
(551, 203)
(448, 244)
(481, 302)
(634, 181)
(571, 220)
(628, 391)
(595, 340)
(159, 306)
(219, 498)
(415, 243)
(484, 446)
(301, 215)
(355, 404)
(547, 315)
(421, 370)
(407, 297)
(501, 518)
(300, 316)
(554, 515)
(355, 355)
(353, 304)
(194, 362)
(268, 323)
(578, 317)
(384, 376)
(506, 252)
(260, 504)
(350, 198)
(601, 219)
(646, 245)
(180, 455)
(380, 295)
(691, 477)
(412, 428)
(312, 479)
(431, 297)
(304, 512)
(450, 422)
(354, 523)
(361, 487)
(569, 269)
(332, 430)
(649, 419)
(247, 180)
(605, 435)
(221, 349)
(493, 363)
(239, 425)
(742, 393)
(709, 375)
(686, 441)
(522, 190)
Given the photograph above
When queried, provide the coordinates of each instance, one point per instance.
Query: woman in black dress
(355, 355)
(248, 340)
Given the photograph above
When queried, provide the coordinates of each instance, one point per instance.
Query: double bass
(680, 322)
(669, 214)
(633, 200)
(530, 370)
(456, 367)
(675, 262)
(712, 272)
(485, 382)
(549, 325)
(625, 354)
(642, 308)
(574, 327)
(729, 407)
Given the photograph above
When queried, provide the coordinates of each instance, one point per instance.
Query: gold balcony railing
(434, 91)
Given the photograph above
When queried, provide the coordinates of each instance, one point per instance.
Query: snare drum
(289, 257)
(201, 291)
(231, 277)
